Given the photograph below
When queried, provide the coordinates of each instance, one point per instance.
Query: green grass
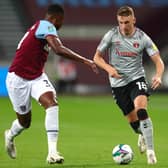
(90, 126)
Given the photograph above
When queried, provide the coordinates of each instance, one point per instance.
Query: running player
(126, 43)
(27, 79)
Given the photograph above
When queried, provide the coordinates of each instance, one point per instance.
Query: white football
(122, 154)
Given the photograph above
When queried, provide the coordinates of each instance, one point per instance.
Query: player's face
(58, 21)
(126, 24)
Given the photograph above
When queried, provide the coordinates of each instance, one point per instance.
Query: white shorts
(21, 90)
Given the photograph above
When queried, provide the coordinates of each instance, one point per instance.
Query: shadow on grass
(80, 165)
(107, 165)
(103, 165)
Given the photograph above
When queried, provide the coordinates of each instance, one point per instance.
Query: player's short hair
(55, 9)
(125, 11)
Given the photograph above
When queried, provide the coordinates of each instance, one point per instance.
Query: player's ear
(134, 20)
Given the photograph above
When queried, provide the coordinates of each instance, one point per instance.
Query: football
(122, 154)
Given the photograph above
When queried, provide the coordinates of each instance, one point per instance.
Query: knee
(142, 114)
(48, 100)
(50, 104)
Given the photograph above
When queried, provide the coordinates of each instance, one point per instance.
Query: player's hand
(93, 66)
(113, 73)
(156, 82)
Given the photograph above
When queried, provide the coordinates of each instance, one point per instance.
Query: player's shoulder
(140, 32)
(45, 28)
(112, 31)
(45, 23)
(42, 23)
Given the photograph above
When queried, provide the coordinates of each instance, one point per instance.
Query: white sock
(15, 129)
(147, 131)
(52, 128)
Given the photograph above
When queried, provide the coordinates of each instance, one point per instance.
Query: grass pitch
(90, 126)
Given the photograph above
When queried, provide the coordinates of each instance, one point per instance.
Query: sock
(52, 128)
(15, 129)
(147, 131)
(136, 126)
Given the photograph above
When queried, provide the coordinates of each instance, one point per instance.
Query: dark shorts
(125, 95)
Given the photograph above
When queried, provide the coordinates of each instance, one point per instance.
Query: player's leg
(44, 92)
(146, 127)
(122, 97)
(125, 103)
(139, 93)
(22, 122)
(19, 96)
(52, 126)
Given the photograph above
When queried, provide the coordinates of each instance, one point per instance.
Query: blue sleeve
(45, 28)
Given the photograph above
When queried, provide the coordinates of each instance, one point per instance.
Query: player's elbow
(96, 59)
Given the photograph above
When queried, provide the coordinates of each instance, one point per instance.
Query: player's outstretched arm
(61, 50)
(99, 61)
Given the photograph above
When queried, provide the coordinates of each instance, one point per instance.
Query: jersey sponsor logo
(117, 42)
(125, 53)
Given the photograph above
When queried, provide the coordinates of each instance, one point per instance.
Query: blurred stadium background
(86, 21)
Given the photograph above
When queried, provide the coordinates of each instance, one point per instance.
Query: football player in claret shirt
(126, 44)
(27, 79)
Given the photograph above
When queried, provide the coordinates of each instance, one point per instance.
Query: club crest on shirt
(136, 45)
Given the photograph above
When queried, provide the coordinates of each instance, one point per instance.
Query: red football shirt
(32, 51)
